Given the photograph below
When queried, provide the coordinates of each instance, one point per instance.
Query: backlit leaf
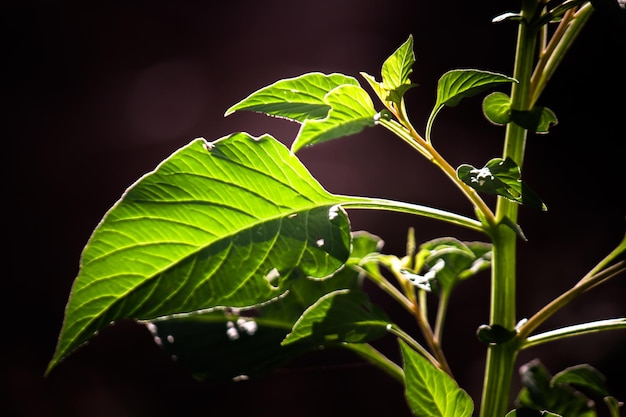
(216, 224)
(351, 111)
(298, 99)
(456, 85)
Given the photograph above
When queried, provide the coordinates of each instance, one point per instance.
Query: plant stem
(501, 358)
(373, 356)
(411, 137)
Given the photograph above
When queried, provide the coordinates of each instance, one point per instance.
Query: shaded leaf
(500, 177)
(460, 260)
(351, 111)
(229, 343)
(216, 224)
(429, 391)
(298, 99)
(538, 120)
(540, 394)
(338, 317)
(583, 376)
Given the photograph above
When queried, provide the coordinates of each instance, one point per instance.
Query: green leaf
(500, 177)
(298, 99)
(216, 224)
(342, 316)
(497, 108)
(232, 343)
(395, 74)
(351, 111)
(456, 85)
(458, 260)
(539, 393)
(396, 69)
(538, 120)
(429, 391)
(583, 376)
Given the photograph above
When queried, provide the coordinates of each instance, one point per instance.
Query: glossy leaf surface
(216, 224)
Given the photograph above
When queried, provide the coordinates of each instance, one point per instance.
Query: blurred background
(96, 94)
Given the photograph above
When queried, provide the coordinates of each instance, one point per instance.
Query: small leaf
(430, 391)
(298, 99)
(398, 66)
(538, 120)
(342, 316)
(497, 108)
(351, 111)
(500, 177)
(461, 260)
(396, 70)
(456, 85)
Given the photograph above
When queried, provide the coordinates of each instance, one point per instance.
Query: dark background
(97, 93)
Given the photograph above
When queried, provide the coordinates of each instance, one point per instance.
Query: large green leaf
(351, 111)
(216, 224)
(429, 391)
(298, 99)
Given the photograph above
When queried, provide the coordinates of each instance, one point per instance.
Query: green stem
(567, 297)
(416, 346)
(355, 202)
(373, 356)
(575, 330)
(500, 362)
(568, 30)
(411, 137)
